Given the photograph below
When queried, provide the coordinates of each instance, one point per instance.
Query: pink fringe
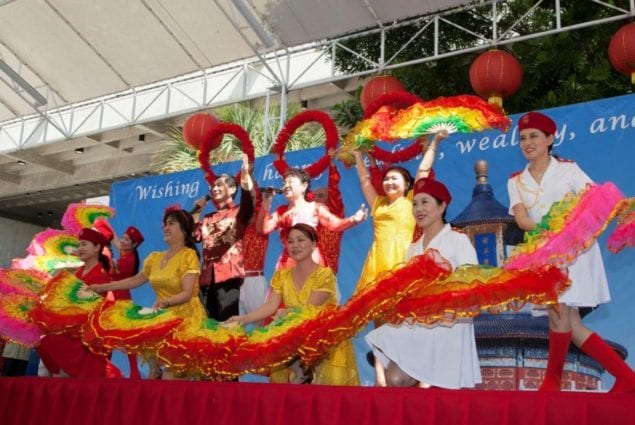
(595, 209)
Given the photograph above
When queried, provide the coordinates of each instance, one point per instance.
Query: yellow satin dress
(167, 281)
(339, 367)
(393, 227)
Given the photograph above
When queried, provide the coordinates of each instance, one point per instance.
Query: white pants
(252, 294)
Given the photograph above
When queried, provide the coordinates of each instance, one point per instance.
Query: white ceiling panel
(37, 35)
(203, 30)
(298, 22)
(396, 10)
(129, 38)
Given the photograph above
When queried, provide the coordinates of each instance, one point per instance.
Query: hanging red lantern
(198, 128)
(622, 50)
(377, 87)
(495, 75)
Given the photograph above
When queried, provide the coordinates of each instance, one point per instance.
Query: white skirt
(589, 286)
(442, 356)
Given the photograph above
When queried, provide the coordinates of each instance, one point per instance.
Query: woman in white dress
(442, 355)
(546, 180)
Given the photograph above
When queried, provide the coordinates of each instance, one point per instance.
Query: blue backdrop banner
(599, 136)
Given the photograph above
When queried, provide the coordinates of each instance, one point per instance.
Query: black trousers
(221, 300)
(14, 367)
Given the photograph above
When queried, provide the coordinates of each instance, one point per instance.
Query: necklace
(522, 188)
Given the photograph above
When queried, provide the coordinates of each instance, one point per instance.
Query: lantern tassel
(496, 100)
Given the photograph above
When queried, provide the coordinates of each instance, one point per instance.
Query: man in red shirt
(221, 233)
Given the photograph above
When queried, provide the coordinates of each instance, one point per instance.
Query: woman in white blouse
(546, 180)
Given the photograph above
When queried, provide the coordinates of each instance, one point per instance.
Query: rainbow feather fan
(47, 263)
(473, 289)
(463, 114)
(275, 344)
(201, 349)
(624, 234)
(80, 215)
(65, 305)
(570, 227)
(15, 323)
(312, 334)
(54, 243)
(429, 293)
(389, 288)
(126, 326)
(49, 251)
(27, 282)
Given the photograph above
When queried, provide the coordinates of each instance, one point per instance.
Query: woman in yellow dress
(393, 222)
(173, 274)
(307, 284)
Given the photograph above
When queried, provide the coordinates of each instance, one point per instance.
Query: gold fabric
(393, 226)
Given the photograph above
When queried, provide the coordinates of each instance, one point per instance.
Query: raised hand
(360, 215)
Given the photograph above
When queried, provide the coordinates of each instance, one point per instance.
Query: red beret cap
(93, 236)
(134, 234)
(538, 121)
(433, 188)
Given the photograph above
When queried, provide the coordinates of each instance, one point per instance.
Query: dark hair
(404, 173)
(550, 147)
(439, 202)
(135, 270)
(302, 175)
(186, 223)
(230, 181)
(103, 260)
(306, 230)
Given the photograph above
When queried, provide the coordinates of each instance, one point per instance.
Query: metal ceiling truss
(268, 74)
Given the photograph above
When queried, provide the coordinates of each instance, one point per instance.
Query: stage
(60, 401)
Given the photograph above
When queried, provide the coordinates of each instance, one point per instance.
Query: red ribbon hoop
(206, 147)
(332, 137)
(402, 155)
(397, 100)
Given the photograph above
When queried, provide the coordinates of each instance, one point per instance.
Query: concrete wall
(15, 236)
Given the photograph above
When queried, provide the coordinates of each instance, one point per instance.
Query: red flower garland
(219, 130)
(332, 137)
(402, 155)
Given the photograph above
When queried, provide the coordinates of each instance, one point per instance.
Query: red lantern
(379, 86)
(496, 74)
(198, 128)
(622, 50)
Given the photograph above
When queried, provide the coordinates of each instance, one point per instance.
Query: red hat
(134, 234)
(433, 188)
(93, 236)
(104, 228)
(538, 121)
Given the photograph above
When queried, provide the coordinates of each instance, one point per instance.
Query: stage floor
(59, 401)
